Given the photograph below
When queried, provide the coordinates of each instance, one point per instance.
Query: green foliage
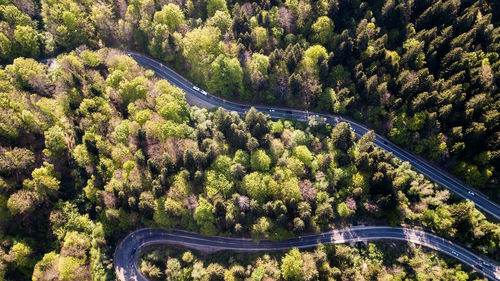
(201, 47)
(55, 142)
(260, 161)
(342, 136)
(344, 211)
(303, 154)
(226, 76)
(216, 5)
(23, 70)
(204, 217)
(171, 15)
(70, 23)
(323, 30)
(28, 41)
(221, 20)
(291, 265)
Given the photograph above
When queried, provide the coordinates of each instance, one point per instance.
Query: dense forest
(94, 147)
(425, 73)
(326, 262)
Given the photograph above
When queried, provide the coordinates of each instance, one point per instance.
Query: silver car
(204, 92)
(196, 88)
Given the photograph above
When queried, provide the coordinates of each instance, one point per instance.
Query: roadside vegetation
(95, 147)
(374, 261)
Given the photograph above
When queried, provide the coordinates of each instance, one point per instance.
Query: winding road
(127, 252)
(196, 97)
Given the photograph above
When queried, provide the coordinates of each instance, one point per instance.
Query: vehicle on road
(454, 253)
(272, 110)
(196, 88)
(485, 263)
(471, 193)
(316, 115)
(204, 92)
(354, 130)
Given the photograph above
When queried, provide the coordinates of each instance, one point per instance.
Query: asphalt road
(195, 97)
(127, 252)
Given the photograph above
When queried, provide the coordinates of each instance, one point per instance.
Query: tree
(171, 15)
(216, 5)
(342, 136)
(173, 271)
(204, 217)
(20, 253)
(291, 265)
(260, 161)
(303, 154)
(147, 204)
(23, 70)
(16, 161)
(439, 219)
(201, 47)
(259, 63)
(28, 41)
(312, 54)
(256, 123)
(226, 76)
(55, 142)
(260, 229)
(259, 187)
(259, 37)
(217, 183)
(70, 24)
(5, 47)
(324, 213)
(344, 211)
(22, 201)
(323, 30)
(44, 180)
(298, 225)
(222, 20)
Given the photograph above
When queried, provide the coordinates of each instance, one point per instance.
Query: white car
(316, 115)
(272, 110)
(204, 92)
(196, 88)
(471, 193)
(454, 253)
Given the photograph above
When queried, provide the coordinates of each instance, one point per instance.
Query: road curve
(127, 252)
(195, 97)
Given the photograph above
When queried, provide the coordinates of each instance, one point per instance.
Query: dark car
(487, 264)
